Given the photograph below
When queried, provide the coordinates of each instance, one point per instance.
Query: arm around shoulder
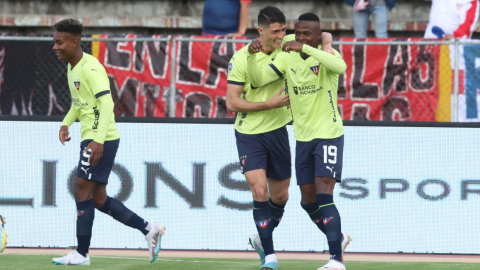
(334, 63)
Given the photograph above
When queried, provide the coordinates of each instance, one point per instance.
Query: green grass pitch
(20, 262)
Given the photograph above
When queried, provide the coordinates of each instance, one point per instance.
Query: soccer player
(3, 235)
(312, 81)
(93, 106)
(261, 134)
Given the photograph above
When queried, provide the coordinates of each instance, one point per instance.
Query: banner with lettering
(382, 82)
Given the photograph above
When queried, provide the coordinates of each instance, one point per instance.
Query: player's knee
(260, 194)
(281, 198)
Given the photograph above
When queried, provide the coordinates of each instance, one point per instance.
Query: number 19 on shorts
(330, 154)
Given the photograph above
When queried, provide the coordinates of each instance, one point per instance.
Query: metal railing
(173, 49)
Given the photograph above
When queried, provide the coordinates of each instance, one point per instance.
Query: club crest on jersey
(77, 85)
(315, 69)
(79, 213)
(263, 224)
(326, 220)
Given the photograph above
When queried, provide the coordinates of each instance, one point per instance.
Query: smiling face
(272, 36)
(65, 45)
(308, 32)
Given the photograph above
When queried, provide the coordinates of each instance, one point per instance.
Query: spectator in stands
(452, 19)
(362, 10)
(225, 17)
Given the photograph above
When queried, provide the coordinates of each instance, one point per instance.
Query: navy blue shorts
(319, 158)
(269, 151)
(101, 171)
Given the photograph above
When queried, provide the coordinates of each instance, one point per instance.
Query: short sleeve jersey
(262, 121)
(313, 96)
(88, 81)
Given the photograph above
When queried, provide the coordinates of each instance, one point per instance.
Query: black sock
(118, 211)
(85, 216)
(265, 226)
(315, 215)
(277, 212)
(333, 225)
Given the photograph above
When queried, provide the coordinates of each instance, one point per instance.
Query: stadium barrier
(388, 79)
(407, 186)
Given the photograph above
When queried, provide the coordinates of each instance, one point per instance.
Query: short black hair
(311, 17)
(269, 15)
(71, 26)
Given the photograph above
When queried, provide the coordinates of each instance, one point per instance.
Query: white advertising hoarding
(407, 189)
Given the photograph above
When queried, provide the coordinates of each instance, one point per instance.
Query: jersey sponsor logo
(263, 224)
(77, 85)
(333, 106)
(306, 90)
(331, 169)
(315, 69)
(293, 71)
(277, 219)
(327, 220)
(317, 221)
(79, 213)
(97, 116)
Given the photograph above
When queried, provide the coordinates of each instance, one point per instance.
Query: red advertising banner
(382, 82)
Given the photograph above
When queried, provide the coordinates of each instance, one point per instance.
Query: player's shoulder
(240, 55)
(90, 63)
(287, 38)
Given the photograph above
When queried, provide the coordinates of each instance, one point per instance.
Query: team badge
(263, 224)
(230, 67)
(315, 69)
(77, 85)
(326, 220)
(243, 160)
(79, 213)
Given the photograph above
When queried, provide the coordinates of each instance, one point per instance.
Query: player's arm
(334, 63)
(235, 103)
(237, 75)
(262, 76)
(327, 42)
(101, 89)
(67, 122)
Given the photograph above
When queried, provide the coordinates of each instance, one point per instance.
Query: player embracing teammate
(262, 138)
(312, 81)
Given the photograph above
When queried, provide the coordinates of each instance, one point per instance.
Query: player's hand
(292, 46)
(328, 49)
(96, 152)
(278, 100)
(63, 135)
(255, 47)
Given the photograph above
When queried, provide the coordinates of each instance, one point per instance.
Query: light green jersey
(262, 121)
(88, 81)
(312, 86)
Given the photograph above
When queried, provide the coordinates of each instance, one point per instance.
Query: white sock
(271, 258)
(149, 227)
